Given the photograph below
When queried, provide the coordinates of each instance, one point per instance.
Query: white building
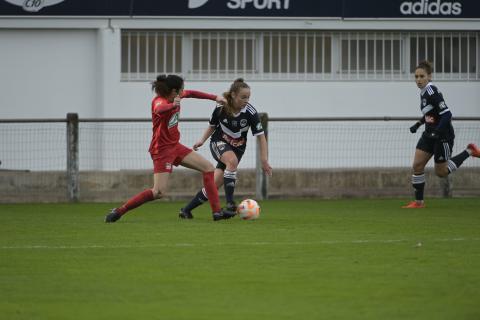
(302, 58)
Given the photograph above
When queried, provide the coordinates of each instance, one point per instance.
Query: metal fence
(74, 145)
(298, 55)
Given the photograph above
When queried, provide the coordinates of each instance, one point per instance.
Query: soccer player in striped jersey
(438, 137)
(228, 129)
(166, 151)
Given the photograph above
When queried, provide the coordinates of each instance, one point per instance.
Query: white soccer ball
(248, 209)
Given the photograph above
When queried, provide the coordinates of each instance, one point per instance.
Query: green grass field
(336, 259)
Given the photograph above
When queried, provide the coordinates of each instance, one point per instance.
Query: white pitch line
(179, 245)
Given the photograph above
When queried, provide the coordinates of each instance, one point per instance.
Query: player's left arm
(202, 95)
(264, 154)
(257, 131)
(443, 111)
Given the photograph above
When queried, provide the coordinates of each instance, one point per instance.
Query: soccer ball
(248, 209)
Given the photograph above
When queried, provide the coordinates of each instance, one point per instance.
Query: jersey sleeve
(215, 118)
(435, 98)
(198, 95)
(255, 123)
(160, 106)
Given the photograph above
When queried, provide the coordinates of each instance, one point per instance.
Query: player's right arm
(417, 125)
(206, 134)
(213, 122)
(161, 105)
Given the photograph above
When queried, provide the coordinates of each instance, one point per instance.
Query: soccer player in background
(438, 137)
(228, 128)
(166, 151)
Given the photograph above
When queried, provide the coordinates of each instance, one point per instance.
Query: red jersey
(165, 120)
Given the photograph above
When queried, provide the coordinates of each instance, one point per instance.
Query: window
(452, 54)
(147, 53)
(224, 52)
(371, 53)
(297, 55)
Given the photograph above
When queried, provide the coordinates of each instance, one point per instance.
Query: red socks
(138, 200)
(212, 192)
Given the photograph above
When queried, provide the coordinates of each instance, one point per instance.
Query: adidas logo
(433, 8)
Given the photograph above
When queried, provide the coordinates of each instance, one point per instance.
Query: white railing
(298, 55)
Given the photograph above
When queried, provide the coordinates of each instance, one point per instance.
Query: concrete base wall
(19, 187)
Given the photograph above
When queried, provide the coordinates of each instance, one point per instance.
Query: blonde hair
(235, 87)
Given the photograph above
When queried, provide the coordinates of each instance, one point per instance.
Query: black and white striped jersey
(433, 106)
(234, 130)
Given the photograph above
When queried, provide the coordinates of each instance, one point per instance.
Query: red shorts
(169, 157)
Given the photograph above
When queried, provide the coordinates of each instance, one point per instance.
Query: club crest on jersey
(168, 166)
(221, 145)
(243, 123)
(34, 5)
(173, 120)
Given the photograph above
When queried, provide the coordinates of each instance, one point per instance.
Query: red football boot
(414, 205)
(474, 149)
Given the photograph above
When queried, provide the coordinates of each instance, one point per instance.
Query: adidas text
(434, 8)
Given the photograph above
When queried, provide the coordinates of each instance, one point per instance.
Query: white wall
(314, 99)
(49, 67)
(47, 73)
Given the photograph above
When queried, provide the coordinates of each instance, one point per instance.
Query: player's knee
(441, 172)
(208, 168)
(157, 193)
(418, 167)
(231, 164)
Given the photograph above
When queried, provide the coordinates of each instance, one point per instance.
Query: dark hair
(425, 65)
(164, 84)
(236, 86)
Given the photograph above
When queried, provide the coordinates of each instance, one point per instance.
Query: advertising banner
(443, 9)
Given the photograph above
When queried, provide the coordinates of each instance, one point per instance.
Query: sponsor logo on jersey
(234, 123)
(245, 4)
(431, 8)
(243, 123)
(429, 119)
(34, 5)
(173, 120)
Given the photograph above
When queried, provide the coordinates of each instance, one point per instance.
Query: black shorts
(217, 148)
(440, 148)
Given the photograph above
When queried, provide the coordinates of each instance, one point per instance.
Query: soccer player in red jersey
(438, 137)
(166, 150)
